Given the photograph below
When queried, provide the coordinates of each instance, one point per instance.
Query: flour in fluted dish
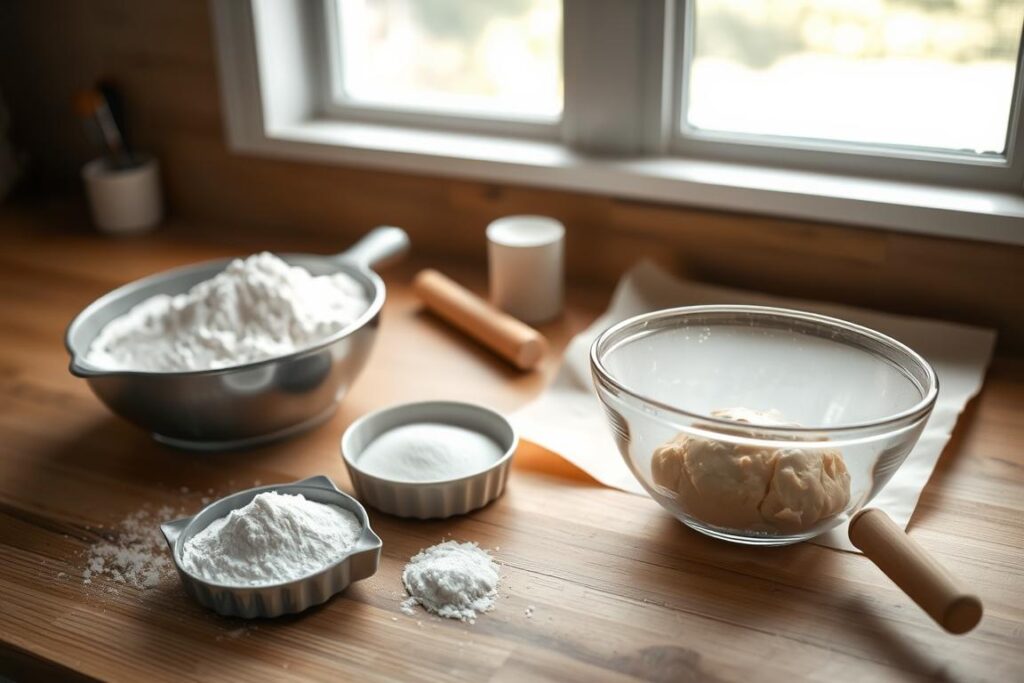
(275, 538)
(257, 308)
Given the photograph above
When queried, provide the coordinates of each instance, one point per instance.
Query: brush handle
(91, 106)
(513, 340)
(915, 571)
(115, 103)
(111, 135)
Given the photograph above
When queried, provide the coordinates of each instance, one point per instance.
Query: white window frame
(617, 135)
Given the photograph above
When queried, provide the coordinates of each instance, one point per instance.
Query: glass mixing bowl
(819, 415)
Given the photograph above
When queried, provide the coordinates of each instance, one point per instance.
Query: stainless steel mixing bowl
(239, 406)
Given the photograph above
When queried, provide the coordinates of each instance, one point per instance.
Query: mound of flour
(275, 538)
(257, 308)
(453, 580)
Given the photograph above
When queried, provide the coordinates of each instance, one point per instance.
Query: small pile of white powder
(135, 553)
(428, 452)
(275, 538)
(255, 309)
(453, 580)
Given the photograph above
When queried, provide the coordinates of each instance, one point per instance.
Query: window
(901, 114)
(924, 74)
(499, 60)
(921, 80)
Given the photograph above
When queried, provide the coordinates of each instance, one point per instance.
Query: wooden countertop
(619, 589)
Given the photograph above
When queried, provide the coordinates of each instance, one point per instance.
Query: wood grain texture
(620, 590)
(162, 53)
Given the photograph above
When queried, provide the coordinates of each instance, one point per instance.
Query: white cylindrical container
(526, 256)
(124, 200)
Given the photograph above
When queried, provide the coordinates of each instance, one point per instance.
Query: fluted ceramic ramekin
(359, 562)
(429, 499)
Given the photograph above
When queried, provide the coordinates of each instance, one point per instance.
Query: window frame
(615, 139)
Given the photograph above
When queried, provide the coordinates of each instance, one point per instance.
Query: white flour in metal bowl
(255, 309)
(277, 537)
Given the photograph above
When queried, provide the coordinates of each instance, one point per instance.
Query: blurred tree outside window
(499, 57)
(935, 74)
(922, 73)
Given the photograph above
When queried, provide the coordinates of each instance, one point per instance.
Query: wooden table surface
(620, 590)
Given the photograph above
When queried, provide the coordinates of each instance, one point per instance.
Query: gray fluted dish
(359, 562)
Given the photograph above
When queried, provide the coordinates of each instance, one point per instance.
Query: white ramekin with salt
(429, 460)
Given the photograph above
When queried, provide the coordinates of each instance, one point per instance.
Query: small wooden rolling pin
(511, 339)
(915, 571)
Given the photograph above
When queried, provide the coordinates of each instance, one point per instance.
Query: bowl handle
(366, 558)
(172, 530)
(379, 247)
(320, 481)
(911, 568)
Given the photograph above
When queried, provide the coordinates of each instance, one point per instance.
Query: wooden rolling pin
(511, 339)
(911, 568)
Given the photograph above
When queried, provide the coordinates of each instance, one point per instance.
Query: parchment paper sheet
(568, 420)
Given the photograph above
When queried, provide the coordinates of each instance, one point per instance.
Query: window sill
(899, 206)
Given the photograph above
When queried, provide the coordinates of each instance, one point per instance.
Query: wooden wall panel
(162, 53)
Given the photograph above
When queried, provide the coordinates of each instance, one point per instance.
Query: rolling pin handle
(512, 339)
(911, 568)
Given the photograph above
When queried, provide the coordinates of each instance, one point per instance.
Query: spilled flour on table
(452, 580)
(134, 552)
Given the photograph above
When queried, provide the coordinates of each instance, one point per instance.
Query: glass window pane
(923, 73)
(497, 58)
